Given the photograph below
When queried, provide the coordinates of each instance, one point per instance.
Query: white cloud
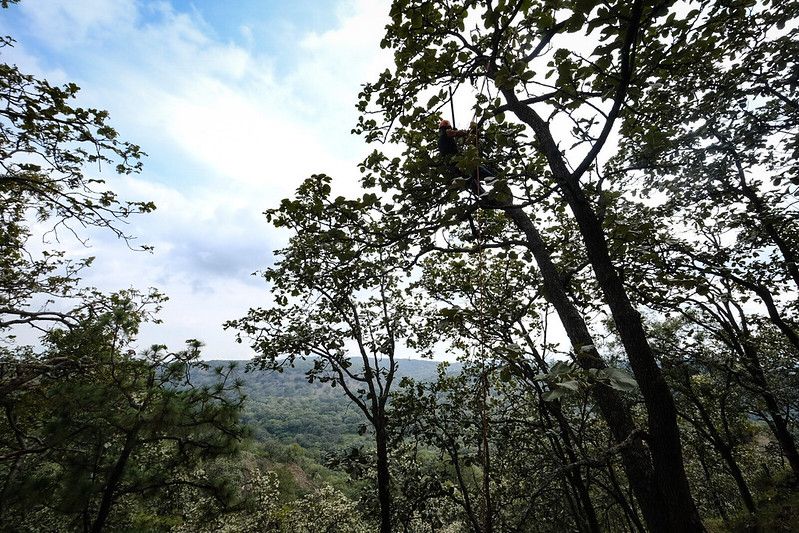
(227, 139)
(73, 24)
(343, 58)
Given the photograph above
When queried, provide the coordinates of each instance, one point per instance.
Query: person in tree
(448, 149)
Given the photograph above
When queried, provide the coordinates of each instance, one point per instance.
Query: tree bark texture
(112, 483)
(383, 479)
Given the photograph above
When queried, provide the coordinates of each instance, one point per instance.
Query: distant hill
(284, 407)
(292, 382)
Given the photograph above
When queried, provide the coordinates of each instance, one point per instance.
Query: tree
(678, 86)
(425, 216)
(712, 405)
(255, 506)
(338, 301)
(112, 427)
(721, 149)
(489, 311)
(326, 509)
(46, 148)
(507, 46)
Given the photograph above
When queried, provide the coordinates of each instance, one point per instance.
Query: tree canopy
(647, 162)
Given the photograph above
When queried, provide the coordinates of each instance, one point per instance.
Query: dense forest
(621, 299)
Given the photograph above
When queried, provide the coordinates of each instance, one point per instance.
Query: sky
(235, 103)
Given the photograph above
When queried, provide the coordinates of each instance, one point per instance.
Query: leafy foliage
(47, 146)
(646, 156)
(110, 425)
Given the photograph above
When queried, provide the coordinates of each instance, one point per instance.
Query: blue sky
(235, 103)
(270, 24)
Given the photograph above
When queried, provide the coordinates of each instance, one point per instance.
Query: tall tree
(716, 135)
(489, 309)
(511, 50)
(111, 425)
(338, 301)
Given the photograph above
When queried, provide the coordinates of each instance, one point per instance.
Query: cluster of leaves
(563, 377)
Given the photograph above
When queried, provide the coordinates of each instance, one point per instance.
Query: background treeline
(622, 303)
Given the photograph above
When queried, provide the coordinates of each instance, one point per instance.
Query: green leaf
(553, 395)
(621, 380)
(571, 385)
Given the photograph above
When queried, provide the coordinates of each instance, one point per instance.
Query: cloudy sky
(235, 103)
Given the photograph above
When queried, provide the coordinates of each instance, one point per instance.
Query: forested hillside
(609, 250)
(284, 408)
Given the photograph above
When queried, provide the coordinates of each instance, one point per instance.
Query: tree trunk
(664, 435)
(485, 459)
(711, 487)
(767, 220)
(9, 480)
(468, 508)
(585, 505)
(723, 448)
(779, 422)
(635, 457)
(782, 432)
(113, 482)
(737, 475)
(775, 316)
(383, 479)
(567, 454)
(629, 511)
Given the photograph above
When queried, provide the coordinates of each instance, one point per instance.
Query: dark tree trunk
(635, 457)
(713, 435)
(584, 512)
(664, 435)
(676, 510)
(779, 423)
(112, 483)
(629, 511)
(585, 505)
(711, 487)
(468, 508)
(587, 513)
(768, 221)
(775, 316)
(782, 432)
(383, 479)
(8, 482)
(737, 475)
(676, 501)
(485, 459)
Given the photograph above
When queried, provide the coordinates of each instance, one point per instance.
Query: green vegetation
(647, 200)
(283, 408)
(107, 429)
